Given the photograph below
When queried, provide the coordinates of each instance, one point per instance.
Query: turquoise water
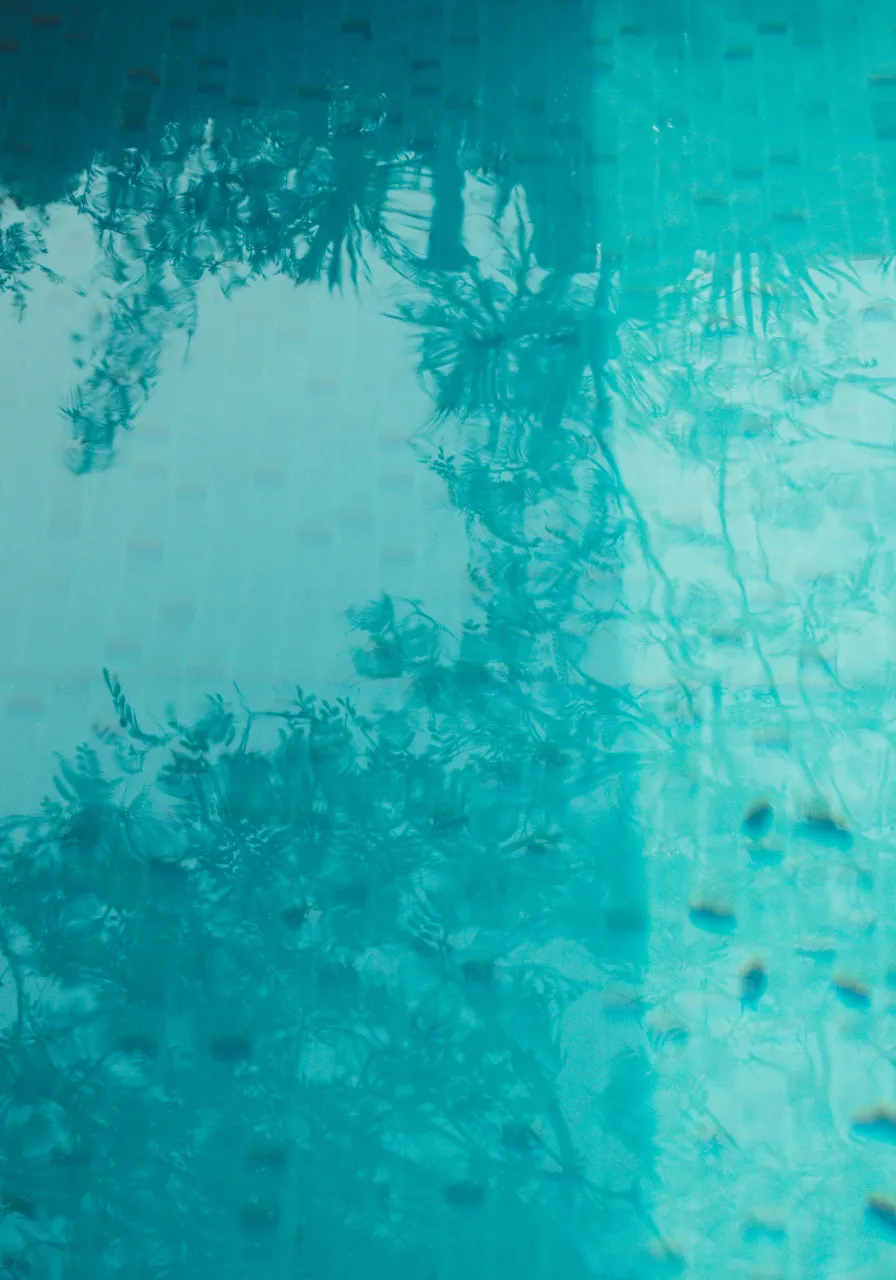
(446, 689)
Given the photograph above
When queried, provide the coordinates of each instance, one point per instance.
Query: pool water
(446, 687)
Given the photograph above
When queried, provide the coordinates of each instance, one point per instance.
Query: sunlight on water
(446, 559)
(774, 825)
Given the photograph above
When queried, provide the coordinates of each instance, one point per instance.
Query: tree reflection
(22, 246)
(509, 340)
(309, 987)
(284, 989)
(238, 205)
(291, 986)
(291, 994)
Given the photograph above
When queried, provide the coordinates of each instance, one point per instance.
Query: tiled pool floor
(515, 377)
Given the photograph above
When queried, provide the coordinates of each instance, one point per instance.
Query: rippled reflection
(555, 942)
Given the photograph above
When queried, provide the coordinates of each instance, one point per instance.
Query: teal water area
(446, 685)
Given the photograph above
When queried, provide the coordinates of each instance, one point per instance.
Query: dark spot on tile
(356, 27)
(314, 93)
(822, 828)
(143, 73)
(465, 1194)
(756, 1228)
(15, 1202)
(231, 1048)
(448, 818)
(478, 972)
(134, 1042)
(758, 820)
(766, 855)
(851, 992)
(792, 216)
(355, 893)
(63, 97)
(626, 920)
(295, 916)
(518, 1135)
(879, 1124)
(77, 1155)
(26, 704)
(881, 1210)
(272, 1156)
(713, 917)
(166, 870)
(257, 1217)
(753, 982)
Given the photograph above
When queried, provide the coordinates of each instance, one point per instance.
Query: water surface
(446, 559)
